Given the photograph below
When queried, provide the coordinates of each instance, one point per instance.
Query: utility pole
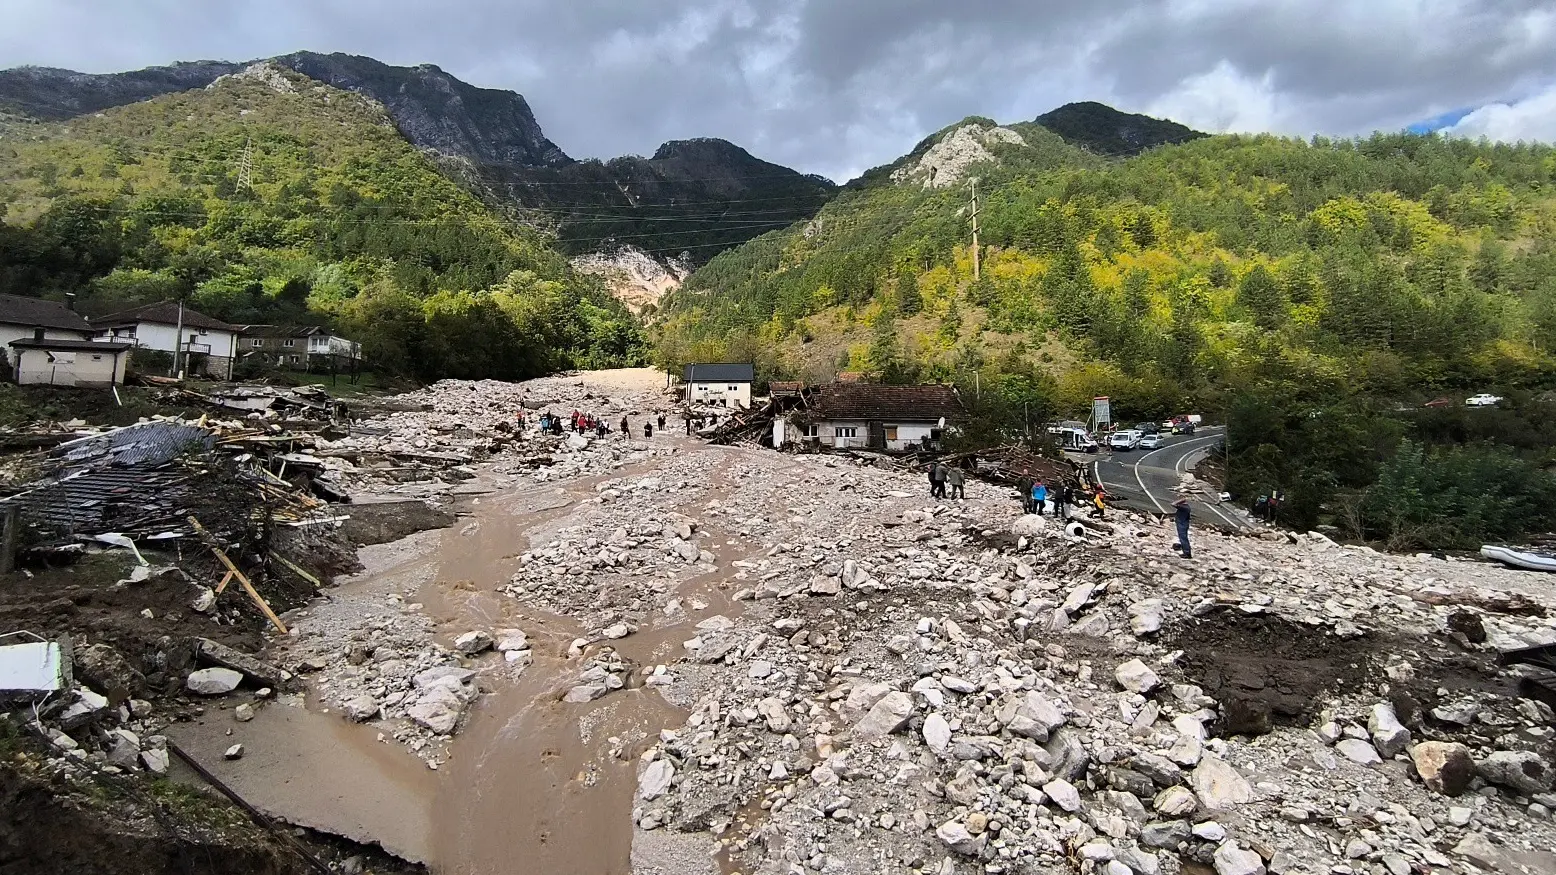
(178, 338)
(246, 166)
(977, 255)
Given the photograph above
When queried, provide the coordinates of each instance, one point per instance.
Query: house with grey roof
(204, 346)
(727, 384)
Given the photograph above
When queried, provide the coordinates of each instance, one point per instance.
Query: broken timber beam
(210, 541)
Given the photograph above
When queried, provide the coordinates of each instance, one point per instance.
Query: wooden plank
(248, 587)
(296, 568)
(226, 579)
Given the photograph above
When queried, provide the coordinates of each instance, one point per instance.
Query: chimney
(37, 334)
(70, 301)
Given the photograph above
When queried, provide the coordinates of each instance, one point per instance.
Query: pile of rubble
(918, 689)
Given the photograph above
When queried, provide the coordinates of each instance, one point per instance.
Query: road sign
(1101, 414)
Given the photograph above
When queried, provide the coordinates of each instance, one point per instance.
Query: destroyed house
(205, 346)
(23, 318)
(297, 346)
(872, 416)
(723, 383)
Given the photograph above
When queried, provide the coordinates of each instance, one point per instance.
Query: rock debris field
(866, 680)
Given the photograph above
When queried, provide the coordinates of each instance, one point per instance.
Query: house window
(891, 432)
(734, 388)
(97, 358)
(812, 431)
(256, 343)
(846, 431)
(294, 359)
(290, 342)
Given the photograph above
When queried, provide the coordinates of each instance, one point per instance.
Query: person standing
(661, 422)
(1061, 498)
(937, 476)
(1039, 497)
(1024, 487)
(625, 432)
(958, 481)
(1098, 503)
(648, 429)
(688, 417)
(600, 429)
(1180, 515)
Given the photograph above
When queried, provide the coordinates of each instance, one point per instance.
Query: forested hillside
(692, 198)
(269, 197)
(1236, 274)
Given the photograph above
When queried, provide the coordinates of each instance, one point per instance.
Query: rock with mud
(472, 643)
(1520, 770)
(1445, 767)
(213, 681)
(108, 672)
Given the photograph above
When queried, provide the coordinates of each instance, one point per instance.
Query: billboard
(1101, 414)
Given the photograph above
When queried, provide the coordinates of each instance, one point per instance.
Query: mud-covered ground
(658, 656)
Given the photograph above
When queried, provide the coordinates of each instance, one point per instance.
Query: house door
(877, 435)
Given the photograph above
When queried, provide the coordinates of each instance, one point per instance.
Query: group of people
(943, 477)
(1035, 495)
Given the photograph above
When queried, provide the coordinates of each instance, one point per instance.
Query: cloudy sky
(836, 86)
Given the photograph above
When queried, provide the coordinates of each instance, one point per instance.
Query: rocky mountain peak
(946, 162)
(438, 112)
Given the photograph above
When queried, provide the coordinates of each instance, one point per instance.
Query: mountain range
(692, 197)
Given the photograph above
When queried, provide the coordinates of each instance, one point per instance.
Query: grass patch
(195, 807)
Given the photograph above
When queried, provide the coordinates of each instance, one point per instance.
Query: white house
(726, 383)
(21, 318)
(871, 416)
(207, 347)
(68, 362)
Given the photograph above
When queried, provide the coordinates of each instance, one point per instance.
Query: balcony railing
(190, 346)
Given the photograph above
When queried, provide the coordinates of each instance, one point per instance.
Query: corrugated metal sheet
(150, 443)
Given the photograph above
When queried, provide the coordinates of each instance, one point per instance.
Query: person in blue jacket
(1039, 496)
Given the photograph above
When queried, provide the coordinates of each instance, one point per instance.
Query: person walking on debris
(1100, 506)
(937, 475)
(1180, 515)
(648, 429)
(600, 429)
(625, 432)
(1039, 497)
(958, 481)
(1024, 487)
(661, 422)
(688, 418)
(1061, 499)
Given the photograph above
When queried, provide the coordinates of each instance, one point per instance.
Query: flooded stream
(531, 778)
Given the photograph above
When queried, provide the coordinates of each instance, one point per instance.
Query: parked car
(1439, 402)
(1148, 428)
(1124, 440)
(1152, 441)
(1182, 426)
(1484, 399)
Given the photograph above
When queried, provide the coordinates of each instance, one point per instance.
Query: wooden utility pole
(977, 254)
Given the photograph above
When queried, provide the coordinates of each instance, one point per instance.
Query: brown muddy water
(533, 784)
(530, 784)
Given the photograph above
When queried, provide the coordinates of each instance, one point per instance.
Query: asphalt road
(1145, 479)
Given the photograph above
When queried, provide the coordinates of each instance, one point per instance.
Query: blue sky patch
(1437, 123)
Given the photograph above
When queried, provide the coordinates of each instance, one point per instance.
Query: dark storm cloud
(834, 86)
